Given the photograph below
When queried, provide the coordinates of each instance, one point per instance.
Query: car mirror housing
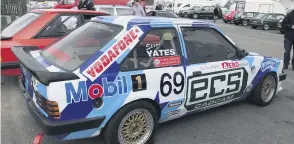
(242, 54)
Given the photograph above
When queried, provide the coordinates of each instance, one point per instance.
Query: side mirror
(242, 54)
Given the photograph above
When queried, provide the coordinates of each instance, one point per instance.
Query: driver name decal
(128, 40)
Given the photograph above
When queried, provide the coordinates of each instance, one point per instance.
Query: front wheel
(265, 91)
(134, 123)
(195, 16)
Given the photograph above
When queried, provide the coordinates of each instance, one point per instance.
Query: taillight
(50, 107)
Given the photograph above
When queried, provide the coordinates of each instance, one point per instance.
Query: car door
(211, 12)
(271, 20)
(155, 68)
(60, 26)
(204, 12)
(214, 74)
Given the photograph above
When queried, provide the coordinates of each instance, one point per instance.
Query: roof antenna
(86, 4)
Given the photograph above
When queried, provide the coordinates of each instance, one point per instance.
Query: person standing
(288, 25)
(138, 9)
(216, 13)
(143, 3)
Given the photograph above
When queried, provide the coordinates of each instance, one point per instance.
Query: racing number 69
(177, 86)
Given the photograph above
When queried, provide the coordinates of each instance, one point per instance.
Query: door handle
(197, 73)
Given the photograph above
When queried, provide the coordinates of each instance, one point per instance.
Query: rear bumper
(9, 65)
(58, 127)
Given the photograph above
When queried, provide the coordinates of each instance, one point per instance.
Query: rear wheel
(195, 16)
(134, 123)
(266, 26)
(185, 15)
(265, 91)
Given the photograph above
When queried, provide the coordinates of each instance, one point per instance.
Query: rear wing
(38, 71)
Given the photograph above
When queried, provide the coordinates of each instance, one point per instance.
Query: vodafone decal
(126, 41)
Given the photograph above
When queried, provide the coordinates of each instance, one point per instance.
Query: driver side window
(207, 45)
(206, 9)
(159, 48)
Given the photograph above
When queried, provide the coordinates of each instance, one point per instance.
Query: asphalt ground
(237, 123)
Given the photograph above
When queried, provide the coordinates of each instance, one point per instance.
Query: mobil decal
(80, 92)
(126, 41)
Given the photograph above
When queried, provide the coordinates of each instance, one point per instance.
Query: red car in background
(68, 4)
(229, 16)
(39, 28)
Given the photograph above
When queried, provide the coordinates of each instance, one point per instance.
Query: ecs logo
(82, 93)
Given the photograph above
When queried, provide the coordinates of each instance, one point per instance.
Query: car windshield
(19, 24)
(167, 14)
(195, 8)
(259, 16)
(80, 45)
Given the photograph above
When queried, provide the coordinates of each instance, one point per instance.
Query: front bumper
(237, 21)
(58, 127)
(282, 76)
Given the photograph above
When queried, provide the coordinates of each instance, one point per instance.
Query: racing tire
(254, 27)
(244, 23)
(185, 15)
(195, 16)
(265, 91)
(266, 26)
(226, 21)
(135, 120)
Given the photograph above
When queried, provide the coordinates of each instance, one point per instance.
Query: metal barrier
(13, 9)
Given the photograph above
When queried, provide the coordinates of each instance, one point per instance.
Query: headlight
(261, 21)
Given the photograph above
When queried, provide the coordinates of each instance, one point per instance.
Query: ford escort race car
(122, 76)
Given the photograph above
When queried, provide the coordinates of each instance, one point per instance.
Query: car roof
(116, 6)
(148, 20)
(67, 11)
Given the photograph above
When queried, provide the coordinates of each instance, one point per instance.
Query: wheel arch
(152, 102)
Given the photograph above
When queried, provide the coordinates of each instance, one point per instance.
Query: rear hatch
(35, 79)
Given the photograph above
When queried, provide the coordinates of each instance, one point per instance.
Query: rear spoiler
(5, 38)
(41, 73)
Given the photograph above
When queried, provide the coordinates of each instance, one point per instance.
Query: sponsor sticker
(268, 64)
(230, 65)
(128, 40)
(171, 113)
(80, 92)
(166, 61)
(173, 104)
